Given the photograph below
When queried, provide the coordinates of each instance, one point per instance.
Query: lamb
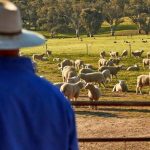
(120, 87)
(103, 54)
(148, 55)
(86, 70)
(79, 63)
(142, 80)
(106, 74)
(124, 53)
(74, 79)
(95, 77)
(113, 70)
(68, 72)
(72, 90)
(93, 92)
(146, 62)
(133, 68)
(137, 53)
(114, 54)
(59, 84)
(37, 56)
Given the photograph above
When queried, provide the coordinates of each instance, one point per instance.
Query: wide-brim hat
(12, 36)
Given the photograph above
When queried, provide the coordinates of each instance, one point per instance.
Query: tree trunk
(112, 30)
(77, 33)
(146, 32)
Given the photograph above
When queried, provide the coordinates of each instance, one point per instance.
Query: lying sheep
(93, 92)
(114, 54)
(59, 84)
(113, 70)
(106, 74)
(72, 90)
(74, 79)
(146, 62)
(120, 87)
(133, 68)
(79, 63)
(137, 53)
(37, 56)
(124, 53)
(148, 55)
(68, 72)
(86, 70)
(103, 54)
(142, 80)
(95, 77)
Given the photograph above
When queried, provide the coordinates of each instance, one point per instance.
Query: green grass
(73, 48)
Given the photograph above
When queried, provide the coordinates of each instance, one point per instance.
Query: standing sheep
(148, 55)
(93, 92)
(79, 63)
(137, 53)
(37, 56)
(86, 70)
(106, 74)
(146, 62)
(72, 90)
(114, 54)
(102, 54)
(142, 80)
(120, 87)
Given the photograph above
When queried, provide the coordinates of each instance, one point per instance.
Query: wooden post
(130, 49)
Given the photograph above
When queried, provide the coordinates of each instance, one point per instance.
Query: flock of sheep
(77, 75)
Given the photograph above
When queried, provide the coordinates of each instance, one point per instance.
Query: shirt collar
(16, 63)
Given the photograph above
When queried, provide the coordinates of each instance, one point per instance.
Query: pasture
(108, 121)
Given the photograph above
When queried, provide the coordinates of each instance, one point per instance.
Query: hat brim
(25, 39)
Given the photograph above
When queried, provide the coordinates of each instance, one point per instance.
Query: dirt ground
(113, 122)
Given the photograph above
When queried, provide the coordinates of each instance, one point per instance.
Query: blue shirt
(34, 115)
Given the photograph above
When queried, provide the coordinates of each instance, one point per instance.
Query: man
(34, 115)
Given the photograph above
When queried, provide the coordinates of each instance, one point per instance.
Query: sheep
(79, 63)
(68, 72)
(113, 70)
(74, 79)
(86, 70)
(115, 60)
(137, 53)
(88, 66)
(120, 87)
(148, 55)
(57, 59)
(133, 68)
(37, 56)
(142, 80)
(65, 62)
(95, 77)
(109, 63)
(124, 53)
(114, 54)
(106, 74)
(146, 62)
(102, 62)
(59, 84)
(72, 90)
(103, 54)
(93, 92)
(48, 53)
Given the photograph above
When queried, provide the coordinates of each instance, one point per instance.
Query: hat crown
(10, 18)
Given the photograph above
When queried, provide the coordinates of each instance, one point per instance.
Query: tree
(91, 20)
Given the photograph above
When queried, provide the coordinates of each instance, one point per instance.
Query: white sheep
(79, 63)
(133, 68)
(72, 90)
(65, 62)
(93, 92)
(120, 87)
(74, 79)
(102, 62)
(137, 53)
(103, 54)
(86, 70)
(142, 80)
(114, 54)
(106, 74)
(146, 62)
(95, 77)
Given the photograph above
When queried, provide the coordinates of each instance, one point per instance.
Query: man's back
(33, 114)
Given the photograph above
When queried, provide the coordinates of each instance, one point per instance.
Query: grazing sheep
(72, 90)
(48, 53)
(124, 53)
(148, 55)
(103, 54)
(59, 84)
(68, 72)
(79, 63)
(95, 77)
(113, 70)
(93, 92)
(133, 68)
(120, 87)
(37, 56)
(114, 54)
(106, 74)
(137, 53)
(142, 80)
(146, 62)
(56, 59)
(74, 79)
(65, 62)
(86, 70)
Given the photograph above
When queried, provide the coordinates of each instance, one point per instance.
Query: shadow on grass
(98, 114)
